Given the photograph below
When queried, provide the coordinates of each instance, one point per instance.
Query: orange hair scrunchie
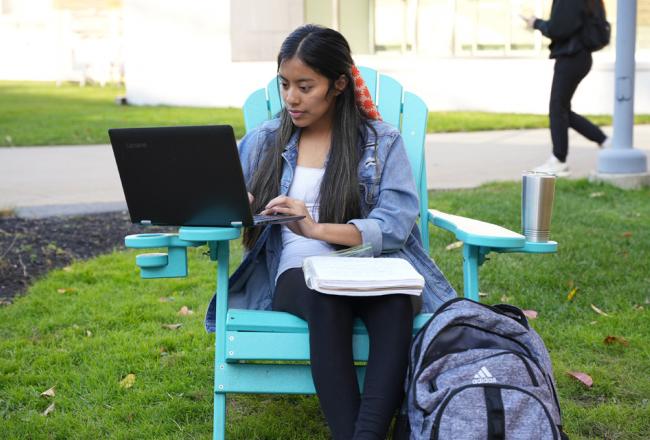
(362, 96)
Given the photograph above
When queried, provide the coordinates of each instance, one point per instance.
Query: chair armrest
(148, 241)
(476, 232)
(173, 264)
(487, 235)
(204, 234)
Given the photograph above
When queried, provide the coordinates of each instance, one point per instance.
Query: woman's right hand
(251, 198)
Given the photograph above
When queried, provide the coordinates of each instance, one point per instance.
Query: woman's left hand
(306, 227)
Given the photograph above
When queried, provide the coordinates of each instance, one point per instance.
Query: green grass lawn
(84, 328)
(35, 113)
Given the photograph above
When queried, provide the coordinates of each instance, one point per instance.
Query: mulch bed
(29, 248)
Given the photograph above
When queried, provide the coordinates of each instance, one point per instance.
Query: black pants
(568, 72)
(389, 320)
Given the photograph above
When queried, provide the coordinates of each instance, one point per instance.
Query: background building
(457, 54)
(61, 40)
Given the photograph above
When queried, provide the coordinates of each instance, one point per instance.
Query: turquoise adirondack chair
(270, 338)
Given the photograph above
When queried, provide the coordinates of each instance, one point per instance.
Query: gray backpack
(479, 372)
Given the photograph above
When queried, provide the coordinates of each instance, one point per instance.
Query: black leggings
(568, 72)
(389, 321)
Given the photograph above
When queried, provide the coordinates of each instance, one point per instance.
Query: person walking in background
(572, 63)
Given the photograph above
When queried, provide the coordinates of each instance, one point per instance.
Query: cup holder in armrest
(172, 264)
(152, 260)
(146, 241)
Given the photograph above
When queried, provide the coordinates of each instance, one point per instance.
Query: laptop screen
(181, 176)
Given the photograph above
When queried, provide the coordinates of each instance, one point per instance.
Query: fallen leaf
(48, 410)
(482, 294)
(165, 299)
(582, 377)
(597, 310)
(627, 234)
(571, 294)
(128, 381)
(638, 307)
(172, 326)
(66, 290)
(454, 245)
(89, 333)
(505, 299)
(530, 314)
(184, 311)
(67, 269)
(48, 393)
(596, 194)
(609, 340)
(593, 322)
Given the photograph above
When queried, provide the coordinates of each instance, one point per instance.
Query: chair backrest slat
(256, 109)
(275, 102)
(389, 100)
(414, 128)
(370, 77)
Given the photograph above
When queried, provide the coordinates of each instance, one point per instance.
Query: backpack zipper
(436, 422)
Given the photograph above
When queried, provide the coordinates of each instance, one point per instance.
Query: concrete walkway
(43, 181)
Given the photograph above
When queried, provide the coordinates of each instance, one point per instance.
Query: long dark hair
(327, 52)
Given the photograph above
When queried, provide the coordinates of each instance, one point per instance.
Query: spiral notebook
(354, 276)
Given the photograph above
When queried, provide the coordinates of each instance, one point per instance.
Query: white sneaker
(553, 166)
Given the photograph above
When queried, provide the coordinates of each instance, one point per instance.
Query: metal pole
(622, 158)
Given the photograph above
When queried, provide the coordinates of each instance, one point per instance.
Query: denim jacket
(389, 211)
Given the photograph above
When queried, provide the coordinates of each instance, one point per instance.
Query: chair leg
(470, 271)
(219, 424)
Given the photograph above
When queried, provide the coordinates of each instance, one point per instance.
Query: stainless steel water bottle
(537, 193)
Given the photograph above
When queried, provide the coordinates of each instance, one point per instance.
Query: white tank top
(295, 248)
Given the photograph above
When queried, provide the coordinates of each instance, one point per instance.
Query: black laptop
(184, 176)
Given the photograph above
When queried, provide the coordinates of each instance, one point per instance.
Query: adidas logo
(483, 376)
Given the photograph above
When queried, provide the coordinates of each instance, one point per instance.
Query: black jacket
(564, 27)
